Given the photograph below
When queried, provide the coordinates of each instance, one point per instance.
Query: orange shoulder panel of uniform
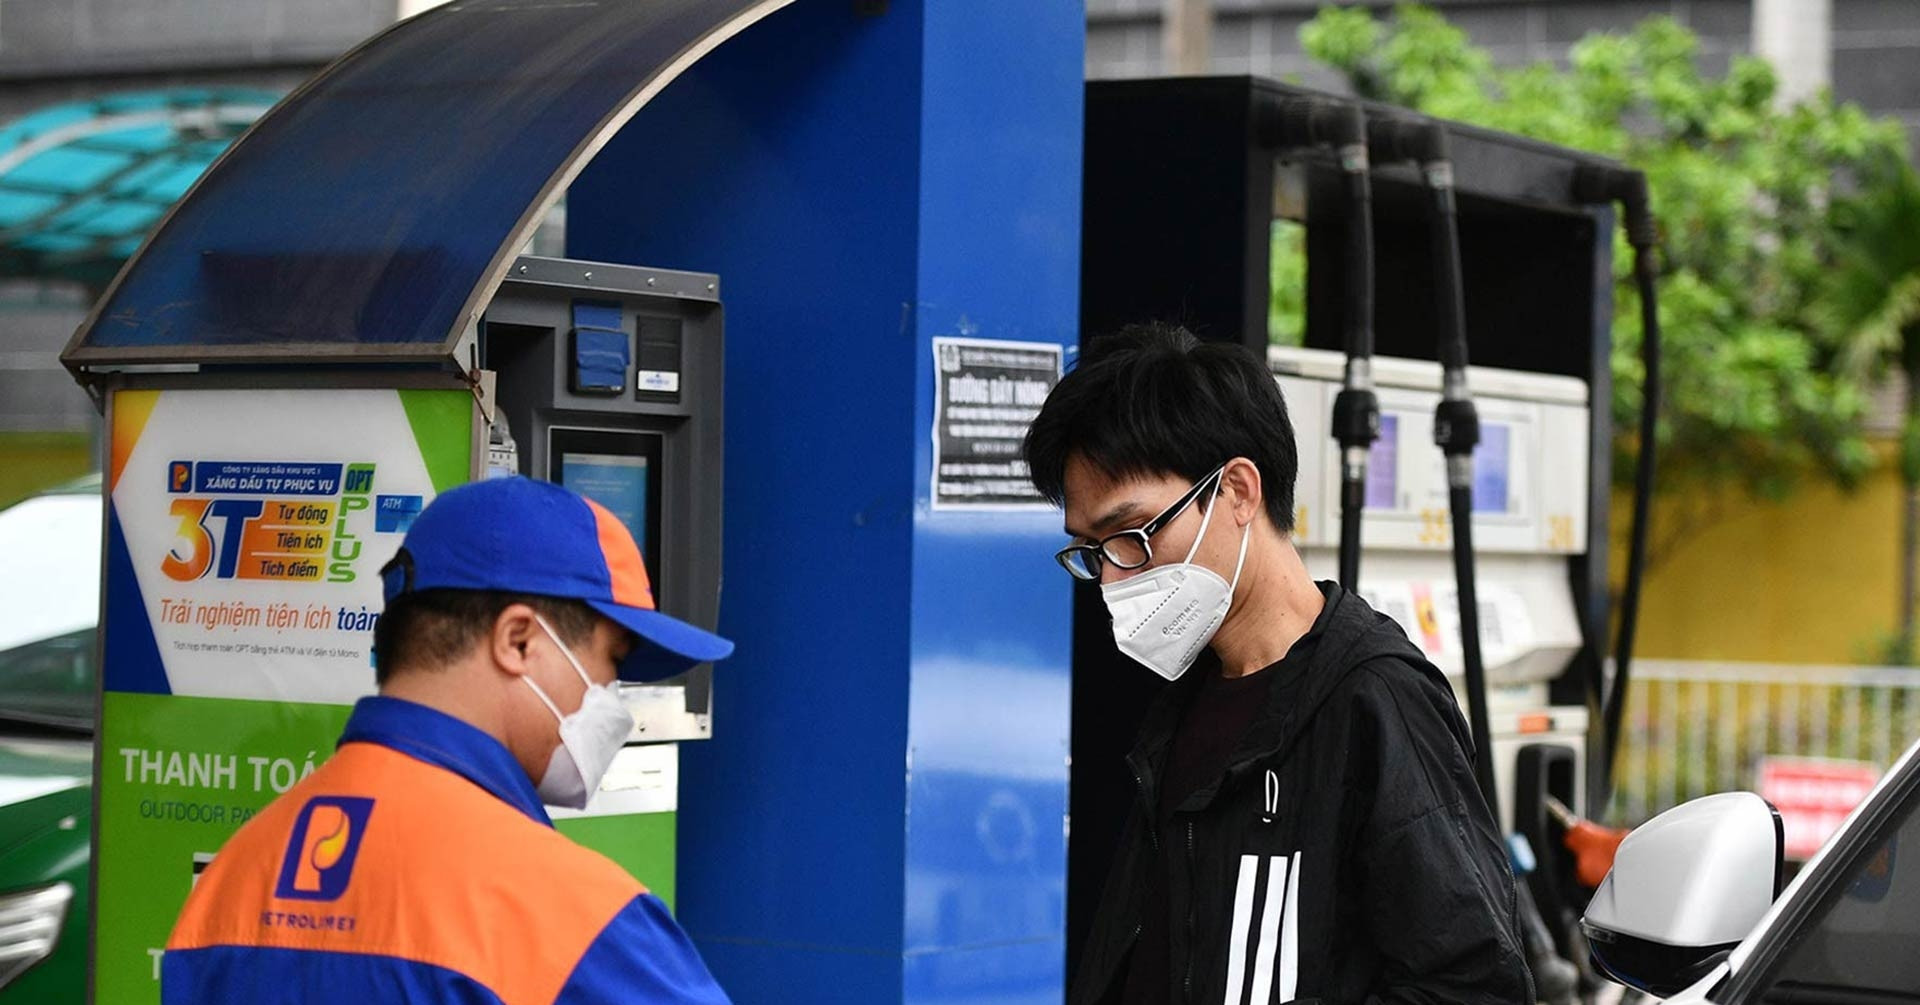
(383, 854)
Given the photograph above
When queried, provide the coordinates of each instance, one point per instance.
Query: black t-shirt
(1210, 731)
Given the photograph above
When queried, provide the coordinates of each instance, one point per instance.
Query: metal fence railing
(1693, 728)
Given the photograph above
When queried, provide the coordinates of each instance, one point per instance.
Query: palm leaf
(1872, 297)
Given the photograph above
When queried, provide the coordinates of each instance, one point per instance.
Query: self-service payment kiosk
(608, 381)
(254, 496)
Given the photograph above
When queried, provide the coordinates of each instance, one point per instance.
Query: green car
(49, 603)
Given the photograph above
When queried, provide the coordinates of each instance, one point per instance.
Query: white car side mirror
(1685, 888)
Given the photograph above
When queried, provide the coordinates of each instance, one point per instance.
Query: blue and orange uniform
(418, 865)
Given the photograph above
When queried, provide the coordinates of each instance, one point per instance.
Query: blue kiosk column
(880, 816)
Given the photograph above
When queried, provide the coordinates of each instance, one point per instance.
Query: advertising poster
(245, 533)
(986, 394)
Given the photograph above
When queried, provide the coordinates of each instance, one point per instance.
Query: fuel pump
(1492, 555)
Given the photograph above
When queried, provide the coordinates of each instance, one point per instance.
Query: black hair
(1154, 400)
(430, 629)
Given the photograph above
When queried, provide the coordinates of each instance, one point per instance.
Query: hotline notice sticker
(986, 393)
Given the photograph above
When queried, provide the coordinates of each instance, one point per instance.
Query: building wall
(1812, 579)
(33, 330)
(92, 38)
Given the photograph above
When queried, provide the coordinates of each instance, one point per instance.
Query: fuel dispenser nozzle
(1342, 126)
(1592, 845)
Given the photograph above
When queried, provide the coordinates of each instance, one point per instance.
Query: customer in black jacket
(1307, 827)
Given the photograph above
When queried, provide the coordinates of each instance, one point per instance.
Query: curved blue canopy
(82, 182)
(372, 213)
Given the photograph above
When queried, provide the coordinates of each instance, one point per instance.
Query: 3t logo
(321, 851)
(201, 547)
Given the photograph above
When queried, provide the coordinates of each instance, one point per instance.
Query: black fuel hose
(1356, 410)
(1311, 122)
(1456, 423)
(1456, 430)
(1629, 189)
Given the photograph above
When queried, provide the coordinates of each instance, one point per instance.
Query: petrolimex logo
(284, 521)
(326, 841)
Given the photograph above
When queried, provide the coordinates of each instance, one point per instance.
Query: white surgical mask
(1164, 616)
(589, 737)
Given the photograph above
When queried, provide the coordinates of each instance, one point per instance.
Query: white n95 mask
(590, 737)
(1164, 616)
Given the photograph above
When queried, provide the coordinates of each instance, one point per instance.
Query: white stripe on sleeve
(1242, 913)
(1269, 931)
(1290, 936)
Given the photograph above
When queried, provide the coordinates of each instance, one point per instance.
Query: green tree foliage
(1869, 309)
(1741, 189)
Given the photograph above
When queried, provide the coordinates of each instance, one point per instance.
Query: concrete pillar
(880, 815)
(1186, 36)
(1796, 36)
(409, 8)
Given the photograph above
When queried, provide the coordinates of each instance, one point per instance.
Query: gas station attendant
(418, 864)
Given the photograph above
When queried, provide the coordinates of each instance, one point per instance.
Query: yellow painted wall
(31, 462)
(1811, 579)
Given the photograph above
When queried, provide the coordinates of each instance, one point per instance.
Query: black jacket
(1345, 856)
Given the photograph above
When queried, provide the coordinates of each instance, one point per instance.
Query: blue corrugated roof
(82, 183)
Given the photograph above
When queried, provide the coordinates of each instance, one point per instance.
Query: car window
(52, 581)
(49, 603)
(1862, 942)
(50, 682)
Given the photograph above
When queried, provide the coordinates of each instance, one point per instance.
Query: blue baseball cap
(517, 535)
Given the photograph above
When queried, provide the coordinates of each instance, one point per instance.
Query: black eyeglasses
(1128, 549)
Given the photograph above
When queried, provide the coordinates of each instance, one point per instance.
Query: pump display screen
(621, 472)
(1383, 465)
(1492, 464)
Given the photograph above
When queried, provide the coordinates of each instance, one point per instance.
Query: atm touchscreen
(620, 471)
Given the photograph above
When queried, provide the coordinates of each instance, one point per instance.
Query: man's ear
(1240, 482)
(512, 632)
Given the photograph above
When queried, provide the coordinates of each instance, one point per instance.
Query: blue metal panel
(762, 972)
(862, 185)
(999, 257)
(131, 661)
(988, 975)
(792, 173)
